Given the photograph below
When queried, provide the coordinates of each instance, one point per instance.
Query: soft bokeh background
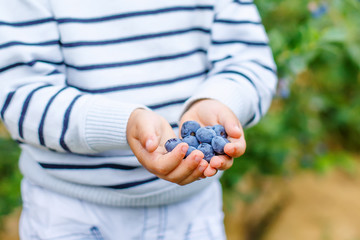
(299, 178)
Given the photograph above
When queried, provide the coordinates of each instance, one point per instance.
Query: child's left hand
(210, 112)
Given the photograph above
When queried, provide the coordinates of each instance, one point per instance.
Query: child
(92, 90)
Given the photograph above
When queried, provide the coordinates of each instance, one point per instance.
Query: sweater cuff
(240, 97)
(105, 124)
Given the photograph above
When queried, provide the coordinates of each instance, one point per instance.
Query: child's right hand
(147, 133)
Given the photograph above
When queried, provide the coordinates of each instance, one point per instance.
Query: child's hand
(211, 112)
(147, 133)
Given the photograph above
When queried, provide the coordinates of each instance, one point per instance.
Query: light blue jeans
(48, 215)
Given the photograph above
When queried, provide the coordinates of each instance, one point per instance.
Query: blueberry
(191, 141)
(218, 144)
(207, 150)
(172, 143)
(189, 128)
(205, 134)
(190, 149)
(220, 130)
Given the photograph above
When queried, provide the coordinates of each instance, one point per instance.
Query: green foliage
(10, 176)
(317, 126)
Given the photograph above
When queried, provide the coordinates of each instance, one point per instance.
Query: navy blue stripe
(249, 43)
(253, 72)
(42, 121)
(250, 120)
(252, 83)
(228, 21)
(243, 3)
(142, 85)
(222, 59)
(132, 184)
(161, 105)
(134, 14)
(53, 72)
(174, 125)
(31, 63)
(66, 123)
(18, 141)
(136, 62)
(27, 23)
(253, 61)
(134, 38)
(17, 43)
(78, 166)
(96, 233)
(107, 18)
(7, 103)
(257, 76)
(264, 66)
(25, 108)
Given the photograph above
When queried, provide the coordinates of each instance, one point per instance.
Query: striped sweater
(71, 73)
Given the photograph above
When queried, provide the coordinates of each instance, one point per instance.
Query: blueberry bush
(314, 121)
(10, 176)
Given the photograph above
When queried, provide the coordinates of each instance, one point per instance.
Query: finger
(197, 174)
(231, 124)
(186, 167)
(235, 148)
(221, 162)
(210, 171)
(147, 135)
(151, 142)
(166, 163)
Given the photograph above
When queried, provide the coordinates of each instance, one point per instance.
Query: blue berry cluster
(210, 140)
(317, 10)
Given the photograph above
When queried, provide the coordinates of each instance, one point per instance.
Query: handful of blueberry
(210, 140)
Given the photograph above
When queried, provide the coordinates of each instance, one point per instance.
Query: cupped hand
(209, 112)
(147, 133)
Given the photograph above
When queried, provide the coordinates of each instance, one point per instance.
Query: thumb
(232, 125)
(148, 138)
(151, 143)
(147, 133)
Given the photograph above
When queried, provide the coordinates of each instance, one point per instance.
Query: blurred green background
(314, 121)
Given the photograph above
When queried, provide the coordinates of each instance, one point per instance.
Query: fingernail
(184, 149)
(231, 151)
(201, 168)
(148, 144)
(217, 163)
(198, 159)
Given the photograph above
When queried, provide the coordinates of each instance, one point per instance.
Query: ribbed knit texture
(72, 72)
(105, 124)
(230, 94)
(171, 194)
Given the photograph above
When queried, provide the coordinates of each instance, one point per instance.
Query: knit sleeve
(243, 73)
(37, 106)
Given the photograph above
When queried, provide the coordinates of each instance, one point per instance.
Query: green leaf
(354, 53)
(334, 35)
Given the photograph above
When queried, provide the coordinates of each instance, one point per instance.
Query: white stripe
(138, 50)
(139, 26)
